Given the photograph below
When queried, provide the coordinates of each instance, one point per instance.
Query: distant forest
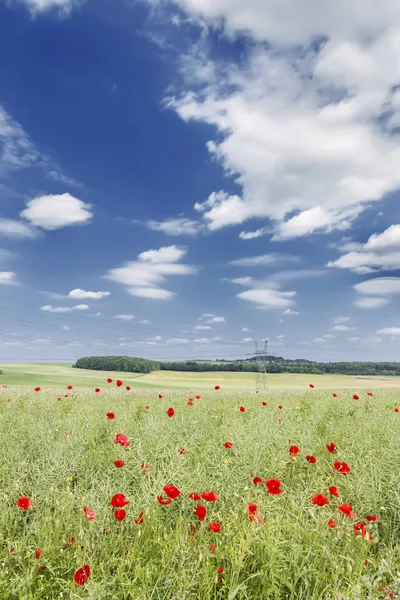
(274, 364)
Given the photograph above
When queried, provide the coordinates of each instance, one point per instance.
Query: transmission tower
(261, 360)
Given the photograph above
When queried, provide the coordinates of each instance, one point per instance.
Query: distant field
(59, 375)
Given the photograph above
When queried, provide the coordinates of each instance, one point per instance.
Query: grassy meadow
(58, 451)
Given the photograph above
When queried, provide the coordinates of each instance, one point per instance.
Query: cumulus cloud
(81, 294)
(269, 299)
(252, 235)
(389, 331)
(247, 340)
(125, 317)
(56, 211)
(307, 133)
(16, 229)
(380, 253)
(179, 226)
(216, 320)
(8, 278)
(143, 278)
(63, 309)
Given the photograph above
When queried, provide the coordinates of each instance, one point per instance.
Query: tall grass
(60, 454)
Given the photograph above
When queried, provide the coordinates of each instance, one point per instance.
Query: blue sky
(181, 178)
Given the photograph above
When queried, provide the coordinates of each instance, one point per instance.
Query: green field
(60, 455)
(59, 375)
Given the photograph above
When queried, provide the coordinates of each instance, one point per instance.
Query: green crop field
(58, 456)
(56, 375)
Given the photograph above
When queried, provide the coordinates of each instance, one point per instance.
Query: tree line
(272, 365)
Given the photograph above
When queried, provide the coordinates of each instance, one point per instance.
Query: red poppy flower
(122, 440)
(160, 396)
(23, 503)
(396, 410)
(170, 412)
(214, 527)
(369, 394)
(128, 388)
(209, 496)
(331, 447)
(82, 575)
(118, 501)
(37, 553)
(120, 514)
(311, 459)
(220, 570)
(200, 512)
(147, 407)
(355, 397)
(320, 500)
(347, 509)
(42, 568)
(242, 409)
(273, 486)
(190, 403)
(37, 389)
(110, 415)
(119, 463)
(162, 501)
(195, 496)
(211, 547)
(257, 480)
(294, 450)
(69, 387)
(228, 445)
(89, 514)
(280, 407)
(217, 387)
(333, 491)
(145, 466)
(198, 397)
(341, 467)
(181, 451)
(109, 380)
(360, 529)
(171, 491)
(334, 395)
(252, 509)
(4, 386)
(263, 404)
(97, 390)
(372, 518)
(11, 550)
(139, 521)
(311, 385)
(332, 524)
(119, 382)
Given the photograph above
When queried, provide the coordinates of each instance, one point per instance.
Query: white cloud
(342, 328)
(329, 336)
(371, 302)
(66, 328)
(245, 281)
(269, 299)
(247, 340)
(54, 211)
(263, 260)
(81, 294)
(38, 6)
(216, 320)
(145, 322)
(63, 309)
(245, 329)
(125, 317)
(289, 311)
(389, 331)
(202, 327)
(319, 340)
(341, 320)
(16, 149)
(252, 235)
(178, 226)
(178, 341)
(16, 229)
(8, 278)
(143, 278)
(353, 339)
(380, 252)
(380, 286)
(305, 128)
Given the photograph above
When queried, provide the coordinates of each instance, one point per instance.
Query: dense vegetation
(117, 363)
(274, 364)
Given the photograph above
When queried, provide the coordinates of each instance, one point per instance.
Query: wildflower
(211, 547)
(242, 409)
(311, 459)
(119, 382)
(120, 514)
(82, 575)
(69, 387)
(369, 394)
(145, 466)
(181, 451)
(209, 496)
(110, 416)
(171, 491)
(160, 396)
(334, 395)
(347, 509)
(355, 397)
(128, 388)
(214, 527)
(198, 397)
(332, 524)
(372, 518)
(195, 496)
(170, 412)
(257, 480)
(396, 410)
(333, 491)
(37, 553)
(320, 500)
(263, 404)
(294, 450)
(217, 387)
(331, 447)
(119, 463)
(139, 521)
(228, 445)
(162, 501)
(220, 570)
(200, 512)
(89, 514)
(122, 440)
(109, 380)
(97, 390)
(118, 501)
(23, 503)
(312, 386)
(273, 486)
(37, 389)
(341, 467)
